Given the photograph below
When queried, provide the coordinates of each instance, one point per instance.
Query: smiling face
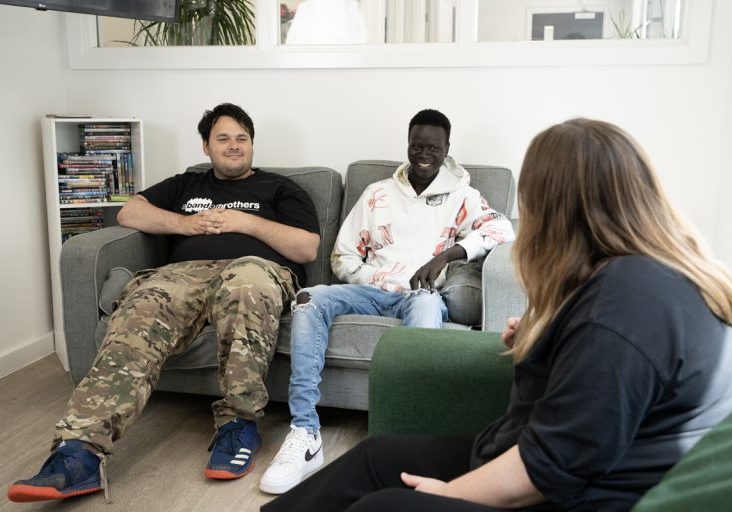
(428, 146)
(230, 148)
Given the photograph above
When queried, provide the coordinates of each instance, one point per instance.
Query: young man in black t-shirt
(238, 239)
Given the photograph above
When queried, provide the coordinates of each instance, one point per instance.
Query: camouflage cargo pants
(159, 314)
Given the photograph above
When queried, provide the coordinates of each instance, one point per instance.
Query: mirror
(356, 22)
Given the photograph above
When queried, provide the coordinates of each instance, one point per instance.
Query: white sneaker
(300, 455)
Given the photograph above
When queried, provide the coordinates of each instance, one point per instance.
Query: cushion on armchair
(437, 381)
(463, 292)
(111, 289)
(701, 480)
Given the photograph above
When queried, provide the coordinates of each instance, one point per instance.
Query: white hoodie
(391, 231)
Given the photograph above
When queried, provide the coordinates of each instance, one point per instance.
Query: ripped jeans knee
(302, 300)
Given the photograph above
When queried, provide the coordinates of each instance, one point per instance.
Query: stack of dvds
(85, 178)
(111, 139)
(104, 137)
(75, 221)
(98, 173)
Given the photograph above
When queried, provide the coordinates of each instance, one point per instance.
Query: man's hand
(426, 275)
(201, 223)
(510, 330)
(424, 484)
(220, 220)
(293, 243)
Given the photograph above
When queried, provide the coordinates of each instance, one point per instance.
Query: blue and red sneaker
(233, 449)
(71, 470)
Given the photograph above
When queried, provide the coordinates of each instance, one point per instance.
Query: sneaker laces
(296, 442)
(227, 437)
(103, 479)
(57, 463)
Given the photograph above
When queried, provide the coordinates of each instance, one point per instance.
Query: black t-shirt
(632, 372)
(267, 195)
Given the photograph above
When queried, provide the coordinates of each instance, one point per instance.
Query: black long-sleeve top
(632, 372)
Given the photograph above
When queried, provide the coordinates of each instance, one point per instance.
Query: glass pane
(201, 23)
(323, 22)
(420, 21)
(367, 21)
(526, 20)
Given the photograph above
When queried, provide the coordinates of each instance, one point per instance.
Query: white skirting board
(24, 354)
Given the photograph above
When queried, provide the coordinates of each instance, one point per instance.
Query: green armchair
(440, 382)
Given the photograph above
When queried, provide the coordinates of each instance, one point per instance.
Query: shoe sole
(20, 493)
(220, 474)
(283, 488)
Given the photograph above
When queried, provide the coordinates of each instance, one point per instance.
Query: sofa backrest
(324, 187)
(496, 184)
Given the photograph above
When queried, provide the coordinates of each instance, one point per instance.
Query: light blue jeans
(311, 322)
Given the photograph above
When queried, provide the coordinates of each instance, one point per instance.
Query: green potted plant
(201, 23)
(623, 26)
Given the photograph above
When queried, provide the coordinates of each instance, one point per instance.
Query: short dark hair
(432, 118)
(225, 109)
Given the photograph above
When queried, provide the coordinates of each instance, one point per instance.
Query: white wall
(682, 115)
(722, 242)
(32, 83)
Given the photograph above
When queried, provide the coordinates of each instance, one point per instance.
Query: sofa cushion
(352, 339)
(700, 480)
(111, 289)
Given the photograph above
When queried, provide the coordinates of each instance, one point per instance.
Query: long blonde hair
(588, 192)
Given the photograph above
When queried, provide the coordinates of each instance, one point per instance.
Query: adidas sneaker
(71, 470)
(233, 449)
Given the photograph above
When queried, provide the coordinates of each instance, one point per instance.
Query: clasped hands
(215, 221)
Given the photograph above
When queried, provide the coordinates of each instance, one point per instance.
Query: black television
(159, 10)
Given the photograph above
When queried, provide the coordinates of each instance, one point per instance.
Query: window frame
(467, 51)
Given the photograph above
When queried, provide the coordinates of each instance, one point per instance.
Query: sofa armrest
(502, 294)
(86, 260)
(437, 381)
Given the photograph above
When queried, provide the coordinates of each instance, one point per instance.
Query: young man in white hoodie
(393, 250)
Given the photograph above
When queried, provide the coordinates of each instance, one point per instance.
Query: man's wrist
(179, 224)
(456, 252)
(245, 226)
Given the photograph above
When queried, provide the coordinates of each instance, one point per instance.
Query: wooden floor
(158, 465)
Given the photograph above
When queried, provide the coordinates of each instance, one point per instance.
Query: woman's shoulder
(642, 274)
(637, 296)
(638, 262)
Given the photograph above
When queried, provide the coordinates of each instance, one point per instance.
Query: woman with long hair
(621, 360)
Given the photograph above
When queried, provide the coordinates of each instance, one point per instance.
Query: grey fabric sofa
(95, 267)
